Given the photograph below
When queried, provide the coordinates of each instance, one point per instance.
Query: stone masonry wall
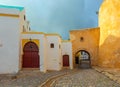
(90, 43)
(109, 23)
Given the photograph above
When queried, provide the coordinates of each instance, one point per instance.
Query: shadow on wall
(109, 52)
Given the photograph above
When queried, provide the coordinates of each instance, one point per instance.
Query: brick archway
(30, 56)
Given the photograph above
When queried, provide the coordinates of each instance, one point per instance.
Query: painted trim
(41, 33)
(12, 7)
(84, 29)
(54, 34)
(9, 15)
(33, 33)
(24, 41)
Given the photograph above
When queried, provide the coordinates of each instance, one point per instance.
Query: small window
(81, 38)
(24, 17)
(51, 45)
(24, 29)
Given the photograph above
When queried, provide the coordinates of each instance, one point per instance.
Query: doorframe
(68, 60)
(21, 62)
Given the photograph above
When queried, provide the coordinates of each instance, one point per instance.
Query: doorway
(30, 55)
(82, 59)
(65, 60)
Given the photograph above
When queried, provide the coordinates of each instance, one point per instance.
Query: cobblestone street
(85, 78)
(28, 78)
(67, 78)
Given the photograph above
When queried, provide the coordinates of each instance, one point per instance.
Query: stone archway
(30, 56)
(82, 59)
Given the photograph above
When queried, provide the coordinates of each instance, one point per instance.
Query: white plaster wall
(22, 21)
(67, 49)
(53, 54)
(42, 49)
(45, 53)
(60, 52)
(9, 49)
(27, 26)
(9, 11)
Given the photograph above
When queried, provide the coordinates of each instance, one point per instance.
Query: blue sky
(59, 16)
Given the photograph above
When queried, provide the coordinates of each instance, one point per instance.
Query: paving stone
(86, 78)
(82, 78)
(28, 78)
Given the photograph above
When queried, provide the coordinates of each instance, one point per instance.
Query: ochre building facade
(102, 43)
(109, 22)
(87, 40)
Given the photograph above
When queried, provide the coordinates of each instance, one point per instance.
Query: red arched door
(65, 60)
(30, 56)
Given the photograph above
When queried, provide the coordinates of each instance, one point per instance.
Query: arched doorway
(65, 60)
(30, 56)
(82, 59)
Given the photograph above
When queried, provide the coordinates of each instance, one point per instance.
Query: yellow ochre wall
(90, 43)
(109, 23)
(24, 41)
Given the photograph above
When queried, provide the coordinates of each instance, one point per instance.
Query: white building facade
(20, 48)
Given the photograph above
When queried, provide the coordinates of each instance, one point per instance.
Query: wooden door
(65, 60)
(30, 56)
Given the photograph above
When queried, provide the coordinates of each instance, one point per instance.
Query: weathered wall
(109, 23)
(90, 43)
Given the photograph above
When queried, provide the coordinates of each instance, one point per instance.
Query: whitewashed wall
(53, 54)
(67, 50)
(60, 52)
(9, 11)
(22, 21)
(42, 49)
(9, 49)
